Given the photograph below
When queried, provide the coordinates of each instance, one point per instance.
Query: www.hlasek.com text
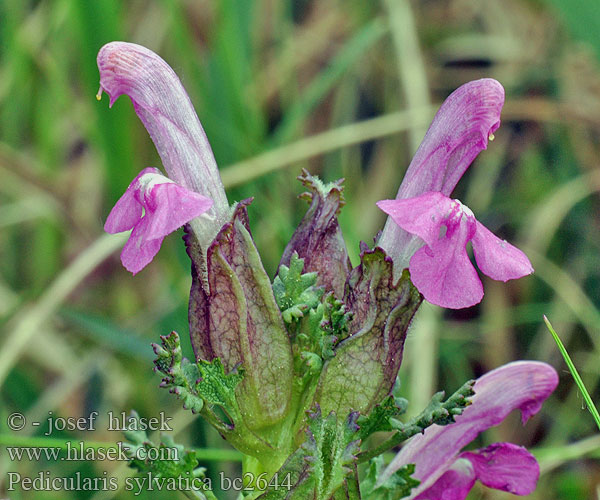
(78, 452)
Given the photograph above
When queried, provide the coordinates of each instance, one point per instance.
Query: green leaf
(215, 387)
(167, 459)
(180, 375)
(398, 485)
(196, 384)
(586, 395)
(380, 416)
(295, 292)
(335, 322)
(323, 328)
(437, 412)
(206, 388)
(442, 412)
(331, 448)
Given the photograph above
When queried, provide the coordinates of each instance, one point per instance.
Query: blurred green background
(345, 89)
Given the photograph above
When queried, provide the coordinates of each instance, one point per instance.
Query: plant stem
(388, 444)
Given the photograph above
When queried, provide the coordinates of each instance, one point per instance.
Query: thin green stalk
(388, 444)
(554, 456)
(410, 64)
(199, 495)
(586, 396)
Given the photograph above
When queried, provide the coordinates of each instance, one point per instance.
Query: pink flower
(441, 270)
(163, 106)
(153, 206)
(422, 211)
(447, 473)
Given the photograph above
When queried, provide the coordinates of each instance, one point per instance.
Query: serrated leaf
(180, 375)
(199, 383)
(206, 388)
(295, 292)
(334, 324)
(319, 333)
(399, 485)
(380, 416)
(172, 460)
(438, 412)
(320, 467)
(331, 447)
(214, 386)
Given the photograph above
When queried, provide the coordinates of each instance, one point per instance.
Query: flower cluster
(304, 367)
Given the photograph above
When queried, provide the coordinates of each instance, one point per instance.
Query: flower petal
(497, 258)
(138, 252)
(454, 484)
(170, 206)
(443, 272)
(502, 466)
(458, 133)
(128, 209)
(164, 107)
(521, 385)
(167, 206)
(422, 215)
(506, 467)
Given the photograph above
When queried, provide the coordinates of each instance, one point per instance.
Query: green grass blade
(586, 396)
(354, 48)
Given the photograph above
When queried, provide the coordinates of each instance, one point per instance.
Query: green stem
(199, 495)
(205, 454)
(586, 396)
(240, 436)
(388, 444)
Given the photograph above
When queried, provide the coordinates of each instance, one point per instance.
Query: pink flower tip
(153, 206)
(441, 269)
